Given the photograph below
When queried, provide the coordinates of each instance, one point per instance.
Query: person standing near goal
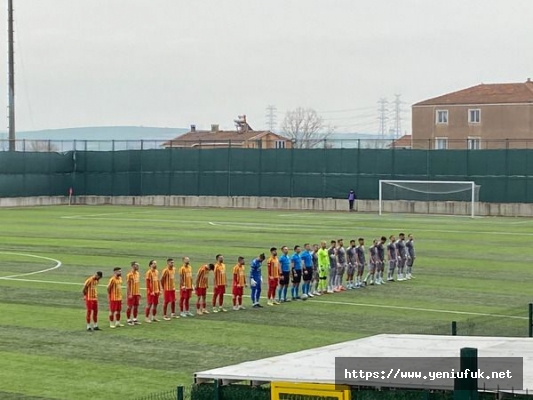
(332, 253)
(153, 290)
(351, 200)
(168, 283)
(133, 292)
(392, 257)
(114, 291)
(410, 245)
(273, 276)
(402, 257)
(186, 288)
(90, 295)
(220, 284)
(201, 285)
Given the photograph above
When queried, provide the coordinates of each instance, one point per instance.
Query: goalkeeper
(256, 279)
(323, 267)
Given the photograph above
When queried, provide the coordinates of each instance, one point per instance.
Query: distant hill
(100, 137)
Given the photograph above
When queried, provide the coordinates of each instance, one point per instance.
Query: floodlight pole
(11, 76)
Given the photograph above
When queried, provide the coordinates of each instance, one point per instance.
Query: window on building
(474, 116)
(441, 143)
(280, 144)
(442, 116)
(474, 143)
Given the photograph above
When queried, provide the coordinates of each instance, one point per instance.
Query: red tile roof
(196, 137)
(498, 93)
(404, 142)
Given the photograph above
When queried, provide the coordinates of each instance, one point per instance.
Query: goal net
(438, 197)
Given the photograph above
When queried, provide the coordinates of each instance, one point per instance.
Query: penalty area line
(58, 264)
(342, 303)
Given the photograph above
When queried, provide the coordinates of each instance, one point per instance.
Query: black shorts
(296, 275)
(309, 276)
(284, 278)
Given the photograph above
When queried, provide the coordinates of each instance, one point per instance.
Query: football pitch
(473, 271)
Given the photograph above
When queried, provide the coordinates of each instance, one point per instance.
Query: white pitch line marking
(344, 303)
(282, 226)
(58, 264)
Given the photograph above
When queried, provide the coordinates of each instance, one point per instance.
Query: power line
(346, 110)
(383, 118)
(271, 118)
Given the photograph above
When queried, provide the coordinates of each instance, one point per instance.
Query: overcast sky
(172, 63)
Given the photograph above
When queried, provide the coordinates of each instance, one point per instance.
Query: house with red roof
(486, 116)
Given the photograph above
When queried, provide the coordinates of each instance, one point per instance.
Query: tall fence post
(454, 328)
(530, 319)
(179, 393)
(216, 393)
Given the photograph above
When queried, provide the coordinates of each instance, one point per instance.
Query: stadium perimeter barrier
(505, 175)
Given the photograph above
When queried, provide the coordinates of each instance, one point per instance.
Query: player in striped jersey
(201, 285)
(168, 283)
(186, 288)
(90, 295)
(114, 291)
(220, 284)
(153, 290)
(239, 282)
(133, 291)
(273, 276)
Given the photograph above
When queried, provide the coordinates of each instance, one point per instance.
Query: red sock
(154, 311)
(135, 312)
(128, 313)
(240, 300)
(214, 300)
(182, 302)
(165, 309)
(173, 307)
(95, 316)
(147, 312)
(204, 305)
(220, 300)
(234, 301)
(198, 305)
(88, 316)
(117, 316)
(111, 318)
(187, 304)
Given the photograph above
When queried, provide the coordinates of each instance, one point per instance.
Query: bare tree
(41, 146)
(306, 128)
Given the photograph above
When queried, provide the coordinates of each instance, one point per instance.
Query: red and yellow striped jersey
(168, 279)
(132, 282)
(273, 267)
(238, 275)
(114, 288)
(89, 288)
(152, 282)
(186, 277)
(220, 274)
(202, 276)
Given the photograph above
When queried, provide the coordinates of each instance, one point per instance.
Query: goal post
(465, 192)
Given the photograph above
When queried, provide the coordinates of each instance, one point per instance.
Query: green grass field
(474, 271)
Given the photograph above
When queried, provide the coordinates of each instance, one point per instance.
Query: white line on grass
(58, 264)
(282, 225)
(343, 303)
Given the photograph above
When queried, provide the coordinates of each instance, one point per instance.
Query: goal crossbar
(468, 185)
